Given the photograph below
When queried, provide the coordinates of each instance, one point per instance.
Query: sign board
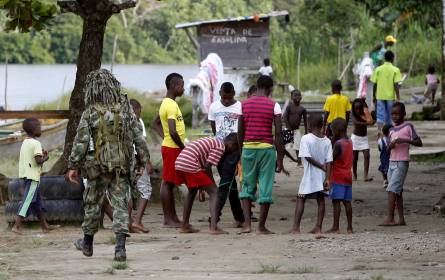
(240, 44)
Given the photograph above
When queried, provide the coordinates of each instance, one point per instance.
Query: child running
(360, 137)
(431, 82)
(260, 159)
(223, 116)
(341, 177)
(32, 157)
(316, 153)
(194, 168)
(337, 105)
(401, 136)
(384, 153)
(292, 116)
(143, 184)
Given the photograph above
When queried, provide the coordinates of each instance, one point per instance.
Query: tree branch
(71, 6)
(117, 8)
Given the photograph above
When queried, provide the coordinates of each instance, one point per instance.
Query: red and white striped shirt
(195, 155)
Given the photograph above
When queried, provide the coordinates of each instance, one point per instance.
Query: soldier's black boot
(87, 246)
(120, 254)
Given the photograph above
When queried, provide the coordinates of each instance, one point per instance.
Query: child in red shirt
(341, 175)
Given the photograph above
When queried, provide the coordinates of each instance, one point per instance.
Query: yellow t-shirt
(169, 110)
(337, 105)
(28, 166)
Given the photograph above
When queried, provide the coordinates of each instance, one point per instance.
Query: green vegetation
(146, 34)
(119, 265)
(266, 268)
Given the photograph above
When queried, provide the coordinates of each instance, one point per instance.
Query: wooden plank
(51, 114)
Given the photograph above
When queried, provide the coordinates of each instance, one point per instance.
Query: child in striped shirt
(194, 169)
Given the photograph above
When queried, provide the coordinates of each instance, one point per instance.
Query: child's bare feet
(49, 228)
(350, 231)
(217, 231)
(355, 178)
(388, 224)
(140, 227)
(316, 230)
(188, 229)
(261, 231)
(293, 231)
(245, 229)
(368, 179)
(237, 224)
(333, 230)
(171, 224)
(402, 223)
(16, 230)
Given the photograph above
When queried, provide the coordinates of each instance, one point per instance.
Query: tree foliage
(25, 15)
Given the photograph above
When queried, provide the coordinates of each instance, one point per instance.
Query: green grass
(379, 277)
(266, 268)
(437, 158)
(112, 240)
(303, 270)
(119, 265)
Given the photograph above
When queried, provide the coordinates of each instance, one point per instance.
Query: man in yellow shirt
(386, 79)
(336, 106)
(170, 126)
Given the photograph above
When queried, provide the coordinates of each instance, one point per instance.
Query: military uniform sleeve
(140, 145)
(80, 144)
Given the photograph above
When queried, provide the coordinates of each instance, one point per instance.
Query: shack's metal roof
(245, 18)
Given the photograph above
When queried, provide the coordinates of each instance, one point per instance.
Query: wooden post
(298, 67)
(114, 53)
(6, 83)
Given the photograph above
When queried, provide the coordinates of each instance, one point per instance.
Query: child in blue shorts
(341, 175)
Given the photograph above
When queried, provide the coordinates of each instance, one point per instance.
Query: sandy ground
(416, 251)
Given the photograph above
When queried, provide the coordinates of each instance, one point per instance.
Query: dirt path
(416, 251)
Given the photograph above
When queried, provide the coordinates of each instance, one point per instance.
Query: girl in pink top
(431, 82)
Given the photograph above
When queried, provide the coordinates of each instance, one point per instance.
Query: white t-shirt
(266, 70)
(225, 118)
(320, 149)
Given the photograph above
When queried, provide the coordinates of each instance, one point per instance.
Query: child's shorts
(194, 180)
(144, 186)
(396, 176)
(32, 200)
(314, 195)
(169, 156)
(340, 192)
(359, 143)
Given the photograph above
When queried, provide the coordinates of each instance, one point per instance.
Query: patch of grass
(303, 270)
(112, 240)
(119, 265)
(266, 268)
(109, 270)
(435, 158)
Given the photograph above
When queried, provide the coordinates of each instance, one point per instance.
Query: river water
(29, 85)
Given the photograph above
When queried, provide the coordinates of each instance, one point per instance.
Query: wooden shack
(242, 42)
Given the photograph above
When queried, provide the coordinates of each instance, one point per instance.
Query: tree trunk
(89, 59)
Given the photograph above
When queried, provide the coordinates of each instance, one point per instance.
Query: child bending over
(194, 168)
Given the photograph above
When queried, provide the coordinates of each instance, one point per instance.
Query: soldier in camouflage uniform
(104, 152)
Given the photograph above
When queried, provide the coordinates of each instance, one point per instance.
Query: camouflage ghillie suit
(104, 149)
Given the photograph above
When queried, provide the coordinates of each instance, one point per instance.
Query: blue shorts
(396, 176)
(340, 192)
(384, 111)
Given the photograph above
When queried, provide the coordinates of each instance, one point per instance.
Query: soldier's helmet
(102, 87)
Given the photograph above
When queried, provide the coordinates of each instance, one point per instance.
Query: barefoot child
(223, 116)
(401, 136)
(194, 168)
(143, 184)
(431, 82)
(32, 157)
(316, 153)
(359, 137)
(292, 118)
(341, 175)
(384, 153)
(260, 158)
